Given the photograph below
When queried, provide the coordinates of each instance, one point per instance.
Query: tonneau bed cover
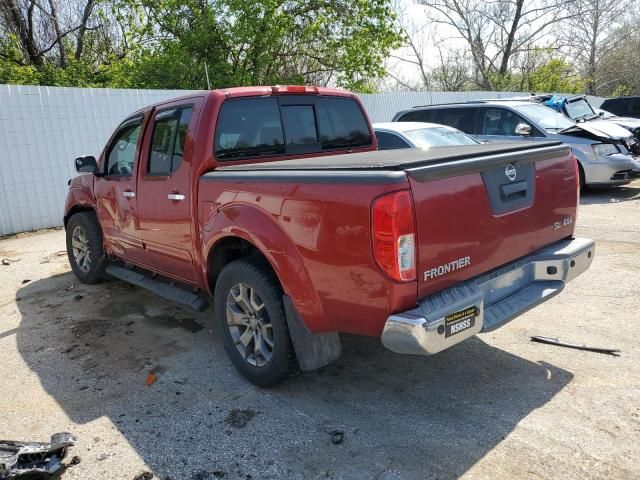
(400, 159)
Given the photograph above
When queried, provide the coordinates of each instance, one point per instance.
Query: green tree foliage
(167, 43)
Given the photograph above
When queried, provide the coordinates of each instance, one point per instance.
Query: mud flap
(314, 350)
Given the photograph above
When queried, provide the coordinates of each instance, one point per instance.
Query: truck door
(165, 197)
(115, 191)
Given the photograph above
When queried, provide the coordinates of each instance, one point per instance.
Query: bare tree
(39, 27)
(497, 30)
(618, 71)
(591, 35)
(452, 74)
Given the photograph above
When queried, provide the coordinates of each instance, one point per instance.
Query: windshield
(546, 117)
(579, 109)
(438, 137)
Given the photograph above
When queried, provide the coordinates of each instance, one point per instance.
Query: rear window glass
(253, 127)
(299, 124)
(341, 124)
(439, 137)
(249, 128)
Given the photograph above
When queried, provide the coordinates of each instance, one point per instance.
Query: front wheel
(84, 247)
(250, 318)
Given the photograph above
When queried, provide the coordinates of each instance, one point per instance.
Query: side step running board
(169, 292)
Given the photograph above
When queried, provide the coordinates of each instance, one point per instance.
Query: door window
(499, 121)
(181, 138)
(122, 151)
(167, 142)
(390, 141)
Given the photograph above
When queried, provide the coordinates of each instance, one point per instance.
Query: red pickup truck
(273, 202)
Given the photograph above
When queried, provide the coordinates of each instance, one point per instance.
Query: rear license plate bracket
(460, 321)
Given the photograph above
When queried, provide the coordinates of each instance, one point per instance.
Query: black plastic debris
(18, 459)
(556, 341)
(337, 437)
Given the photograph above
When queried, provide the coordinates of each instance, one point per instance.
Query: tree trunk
(59, 36)
(88, 9)
(506, 55)
(11, 12)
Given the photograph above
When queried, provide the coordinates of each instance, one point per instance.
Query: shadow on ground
(402, 416)
(603, 195)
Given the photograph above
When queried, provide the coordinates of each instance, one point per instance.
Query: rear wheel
(84, 247)
(250, 318)
(583, 185)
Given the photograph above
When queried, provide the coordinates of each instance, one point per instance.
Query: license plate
(460, 321)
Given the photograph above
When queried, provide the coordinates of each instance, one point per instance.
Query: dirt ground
(75, 357)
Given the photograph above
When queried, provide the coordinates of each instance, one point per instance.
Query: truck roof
(256, 91)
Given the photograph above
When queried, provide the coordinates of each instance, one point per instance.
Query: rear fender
(261, 230)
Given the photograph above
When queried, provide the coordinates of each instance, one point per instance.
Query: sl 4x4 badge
(565, 222)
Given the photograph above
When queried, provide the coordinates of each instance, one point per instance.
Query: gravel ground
(75, 358)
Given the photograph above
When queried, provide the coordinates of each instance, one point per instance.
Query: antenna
(206, 72)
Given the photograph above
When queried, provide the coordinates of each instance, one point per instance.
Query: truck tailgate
(475, 215)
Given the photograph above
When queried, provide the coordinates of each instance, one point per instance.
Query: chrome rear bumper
(498, 297)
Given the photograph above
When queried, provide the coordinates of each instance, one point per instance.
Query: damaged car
(602, 148)
(578, 109)
(630, 123)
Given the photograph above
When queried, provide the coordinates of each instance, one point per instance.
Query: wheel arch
(77, 209)
(244, 231)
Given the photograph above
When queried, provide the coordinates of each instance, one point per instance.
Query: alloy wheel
(80, 248)
(249, 325)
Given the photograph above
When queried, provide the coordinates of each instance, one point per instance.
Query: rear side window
(168, 139)
(390, 141)
(461, 118)
(419, 116)
(254, 127)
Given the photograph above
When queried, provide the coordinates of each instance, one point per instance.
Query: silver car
(600, 147)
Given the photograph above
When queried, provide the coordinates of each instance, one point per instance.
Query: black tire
(92, 265)
(259, 278)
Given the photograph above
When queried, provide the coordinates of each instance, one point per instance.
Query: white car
(392, 135)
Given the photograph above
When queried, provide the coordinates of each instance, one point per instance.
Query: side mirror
(86, 164)
(523, 129)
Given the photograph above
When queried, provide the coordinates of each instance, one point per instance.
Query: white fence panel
(42, 129)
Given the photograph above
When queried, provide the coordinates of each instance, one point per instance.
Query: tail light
(394, 235)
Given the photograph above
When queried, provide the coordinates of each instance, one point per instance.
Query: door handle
(128, 194)
(176, 196)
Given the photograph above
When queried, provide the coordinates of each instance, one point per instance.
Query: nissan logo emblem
(511, 172)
